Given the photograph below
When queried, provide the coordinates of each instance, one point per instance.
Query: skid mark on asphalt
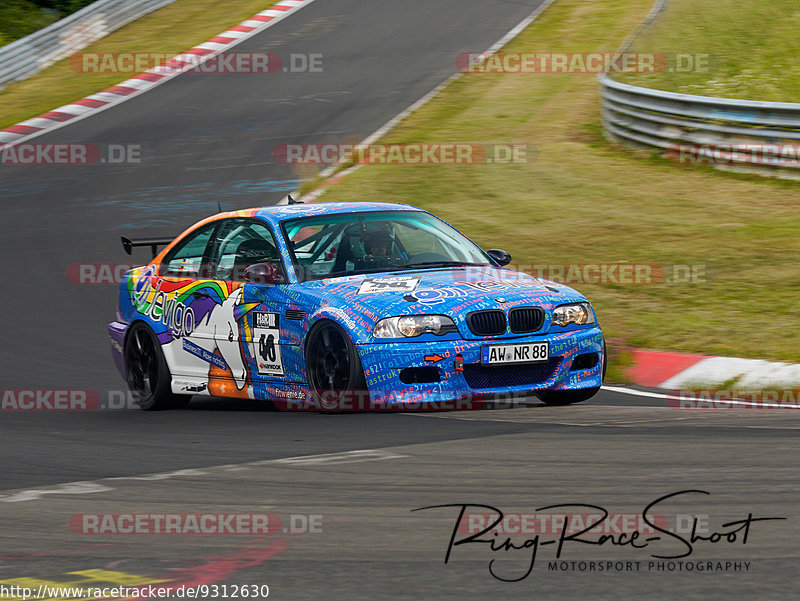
(102, 485)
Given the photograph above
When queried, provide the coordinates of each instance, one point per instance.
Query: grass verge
(579, 199)
(19, 18)
(749, 44)
(172, 29)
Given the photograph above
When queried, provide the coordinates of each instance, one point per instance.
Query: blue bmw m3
(306, 303)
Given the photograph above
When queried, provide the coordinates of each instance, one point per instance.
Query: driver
(378, 244)
(379, 250)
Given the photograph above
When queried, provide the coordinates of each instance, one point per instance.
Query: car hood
(453, 291)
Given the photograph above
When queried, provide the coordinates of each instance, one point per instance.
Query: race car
(305, 303)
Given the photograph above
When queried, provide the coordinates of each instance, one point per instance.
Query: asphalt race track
(340, 489)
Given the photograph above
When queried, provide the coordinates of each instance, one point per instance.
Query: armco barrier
(745, 135)
(739, 135)
(24, 57)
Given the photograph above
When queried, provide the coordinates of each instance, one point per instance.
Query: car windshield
(328, 246)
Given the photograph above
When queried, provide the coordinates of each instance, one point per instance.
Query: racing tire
(333, 369)
(147, 372)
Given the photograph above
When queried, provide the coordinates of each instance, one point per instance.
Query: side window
(317, 247)
(186, 259)
(242, 243)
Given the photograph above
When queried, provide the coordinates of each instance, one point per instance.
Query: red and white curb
(80, 109)
(675, 371)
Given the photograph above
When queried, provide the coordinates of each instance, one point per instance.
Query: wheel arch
(320, 321)
(357, 332)
(140, 320)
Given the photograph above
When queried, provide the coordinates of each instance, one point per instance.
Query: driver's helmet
(378, 243)
(371, 240)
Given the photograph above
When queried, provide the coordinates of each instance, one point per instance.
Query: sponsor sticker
(208, 356)
(266, 343)
(398, 284)
(434, 296)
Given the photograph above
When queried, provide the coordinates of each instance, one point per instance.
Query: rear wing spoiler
(153, 243)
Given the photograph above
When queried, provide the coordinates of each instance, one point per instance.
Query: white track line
(656, 395)
(737, 402)
(103, 484)
(336, 458)
(631, 391)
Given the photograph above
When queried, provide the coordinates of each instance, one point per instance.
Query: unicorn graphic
(219, 329)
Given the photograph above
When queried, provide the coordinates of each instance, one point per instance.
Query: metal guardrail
(24, 57)
(742, 135)
(738, 135)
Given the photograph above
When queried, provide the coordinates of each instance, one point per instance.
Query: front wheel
(335, 376)
(147, 372)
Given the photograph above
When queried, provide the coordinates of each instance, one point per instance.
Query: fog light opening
(420, 375)
(585, 361)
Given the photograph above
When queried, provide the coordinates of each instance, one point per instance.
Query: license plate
(526, 352)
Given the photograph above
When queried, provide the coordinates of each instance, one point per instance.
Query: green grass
(19, 18)
(750, 45)
(581, 199)
(172, 29)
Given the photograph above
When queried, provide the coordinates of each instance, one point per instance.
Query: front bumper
(462, 377)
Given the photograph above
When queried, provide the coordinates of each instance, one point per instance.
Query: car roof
(277, 213)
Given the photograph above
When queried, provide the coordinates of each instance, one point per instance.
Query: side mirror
(501, 256)
(266, 274)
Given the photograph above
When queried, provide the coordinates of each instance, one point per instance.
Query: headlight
(409, 326)
(579, 313)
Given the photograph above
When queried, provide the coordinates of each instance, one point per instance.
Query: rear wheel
(335, 376)
(147, 371)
